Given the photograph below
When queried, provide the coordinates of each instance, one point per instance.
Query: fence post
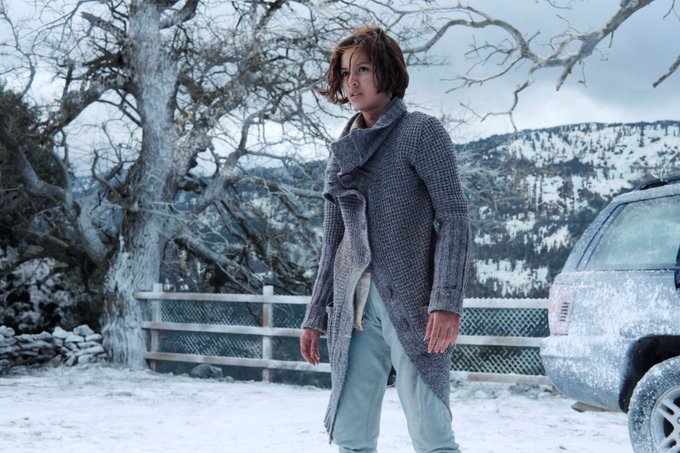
(267, 321)
(155, 317)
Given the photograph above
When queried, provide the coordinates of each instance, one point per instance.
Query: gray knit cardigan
(394, 204)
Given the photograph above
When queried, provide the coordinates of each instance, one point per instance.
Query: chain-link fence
(494, 320)
(501, 322)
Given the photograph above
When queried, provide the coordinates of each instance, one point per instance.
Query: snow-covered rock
(94, 337)
(205, 371)
(73, 338)
(6, 331)
(35, 345)
(86, 358)
(94, 350)
(43, 336)
(19, 352)
(83, 330)
(60, 333)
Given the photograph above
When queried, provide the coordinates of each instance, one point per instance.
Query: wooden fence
(267, 331)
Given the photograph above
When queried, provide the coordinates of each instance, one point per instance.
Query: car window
(645, 235)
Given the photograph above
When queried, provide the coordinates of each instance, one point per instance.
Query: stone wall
(19, 352)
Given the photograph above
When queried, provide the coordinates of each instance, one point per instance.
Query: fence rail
(268, 331)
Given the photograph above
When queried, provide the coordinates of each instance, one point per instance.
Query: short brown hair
(384, 53)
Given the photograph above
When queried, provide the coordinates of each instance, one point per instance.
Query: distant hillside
(549, 185)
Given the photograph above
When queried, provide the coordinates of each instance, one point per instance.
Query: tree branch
(34, 185)
(221, 261)
(521, 50)
(674, 67)
(104, 25)
(185, 14)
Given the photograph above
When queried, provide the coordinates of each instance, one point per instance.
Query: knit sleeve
(435, 163)
(333, 230)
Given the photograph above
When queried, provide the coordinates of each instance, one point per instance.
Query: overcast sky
(619, 83)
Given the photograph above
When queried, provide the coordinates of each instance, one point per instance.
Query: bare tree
(186, 84)
(182, 88)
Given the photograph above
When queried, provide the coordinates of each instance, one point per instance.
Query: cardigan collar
(355, 148)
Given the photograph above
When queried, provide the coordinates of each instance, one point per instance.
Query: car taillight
(560, 304)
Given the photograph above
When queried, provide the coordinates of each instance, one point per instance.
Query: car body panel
(587, 369)
(612, 310)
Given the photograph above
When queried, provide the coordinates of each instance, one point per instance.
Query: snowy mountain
(546, 187)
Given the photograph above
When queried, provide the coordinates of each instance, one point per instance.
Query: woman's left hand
(442, 330)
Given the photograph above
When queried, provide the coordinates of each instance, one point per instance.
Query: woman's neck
(371, 116)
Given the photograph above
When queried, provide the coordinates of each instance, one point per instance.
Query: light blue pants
(373, 351)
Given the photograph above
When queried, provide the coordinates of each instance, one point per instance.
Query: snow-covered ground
(100, 409)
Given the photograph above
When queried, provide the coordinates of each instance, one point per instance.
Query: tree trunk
(135, 269)
(144, 230)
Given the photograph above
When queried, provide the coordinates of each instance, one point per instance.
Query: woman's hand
(442, 330)
(309, 345)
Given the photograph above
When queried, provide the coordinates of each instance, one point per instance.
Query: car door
(631, 270)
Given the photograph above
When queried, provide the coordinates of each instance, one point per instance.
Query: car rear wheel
(654, 411)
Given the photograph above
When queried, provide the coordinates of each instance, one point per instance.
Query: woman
(391, 277)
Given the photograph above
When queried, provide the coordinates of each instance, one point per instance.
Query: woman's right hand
(309, 345)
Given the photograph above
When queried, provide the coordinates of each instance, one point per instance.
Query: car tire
(654, 411)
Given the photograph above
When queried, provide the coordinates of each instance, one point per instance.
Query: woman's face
(358, 83)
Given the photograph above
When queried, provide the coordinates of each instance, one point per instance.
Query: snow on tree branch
(674, 67)
(185, 14)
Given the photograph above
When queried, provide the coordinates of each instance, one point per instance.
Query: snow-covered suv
(615, 315)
